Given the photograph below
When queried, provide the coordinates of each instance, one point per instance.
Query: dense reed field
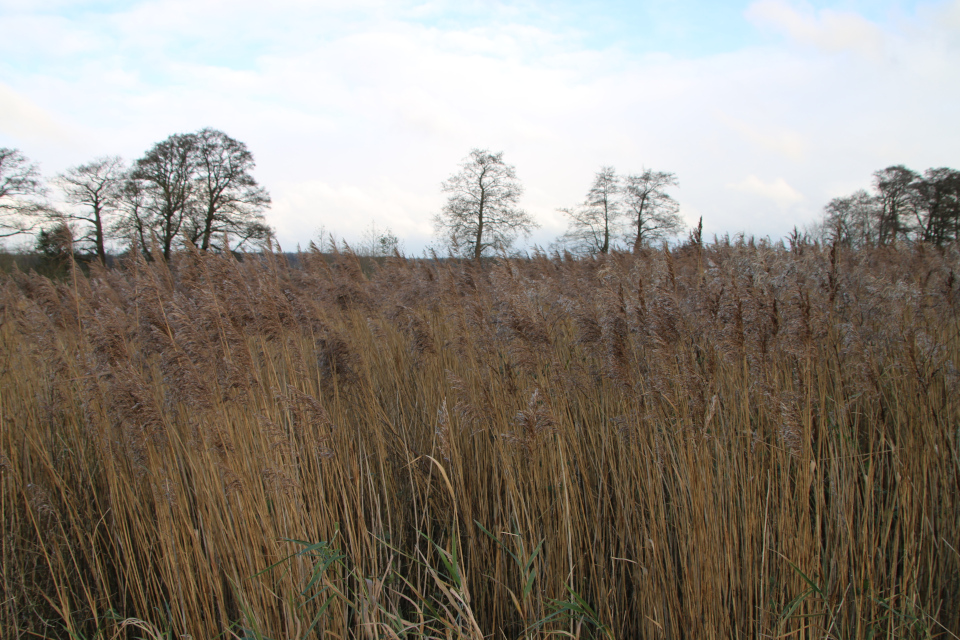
(726, 441)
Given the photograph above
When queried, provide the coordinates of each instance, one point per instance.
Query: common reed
(713, 441)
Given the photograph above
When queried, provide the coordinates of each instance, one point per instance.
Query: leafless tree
(481, 213)
(21, 194)
(378, 242)
(895, 199)
(653, 213)
(197, 188)
(228, 198)
(160, 192)
(595, 224)
(937, 205)
(852, 220)
(136, 215)
(94, 191)
(904, 206)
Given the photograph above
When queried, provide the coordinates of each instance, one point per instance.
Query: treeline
(903, 205)
(482, 214)
(197, 189)
(627, 213)
(193, 188)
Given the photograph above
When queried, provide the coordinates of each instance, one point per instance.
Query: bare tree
(894, 196)
(852, 220)
(595, 224)
(378, 242)
(95, 191)
(160, 192)
(653, 213)
(229, 200)
(197, 188)
(904, 206)
(135, 219)
(481, 213)
(937, 210)
(21, 194)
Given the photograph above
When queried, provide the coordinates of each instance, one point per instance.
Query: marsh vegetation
(719, 440)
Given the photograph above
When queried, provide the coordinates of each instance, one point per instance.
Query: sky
(357, 110)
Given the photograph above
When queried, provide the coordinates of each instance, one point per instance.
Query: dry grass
(716, 442)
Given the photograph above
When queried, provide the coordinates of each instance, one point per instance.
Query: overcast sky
(357, 110)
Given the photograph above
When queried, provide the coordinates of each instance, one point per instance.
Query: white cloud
(778, 190)
(22, 119)
(347, 210)
(829, 31)
(785, 142)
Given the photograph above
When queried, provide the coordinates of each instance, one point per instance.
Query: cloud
(21, 118)
(778, 190)
(347, 210)
(951, 16)
(787, 143)
(827, 30)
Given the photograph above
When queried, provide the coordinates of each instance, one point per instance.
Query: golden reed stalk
(719, 441)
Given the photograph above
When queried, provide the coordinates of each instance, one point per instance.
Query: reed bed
(721, 441)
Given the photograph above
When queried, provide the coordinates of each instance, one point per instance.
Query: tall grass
(719, 441)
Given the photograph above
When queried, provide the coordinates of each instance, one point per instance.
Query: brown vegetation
(719, 441)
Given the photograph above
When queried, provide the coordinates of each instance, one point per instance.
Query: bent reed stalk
(732, 440)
